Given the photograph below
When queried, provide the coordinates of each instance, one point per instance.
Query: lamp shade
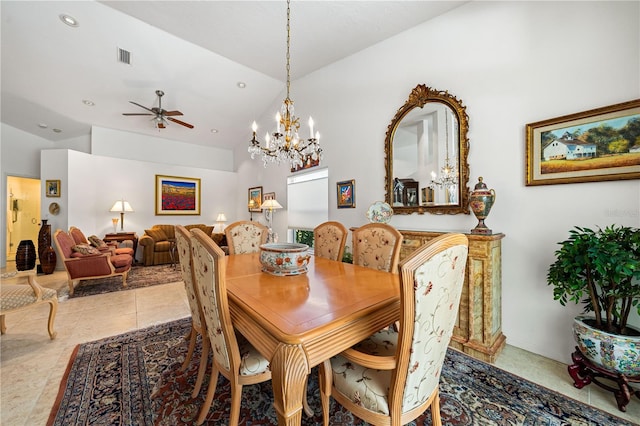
(221, 218)
(271, 205)
(121, 206)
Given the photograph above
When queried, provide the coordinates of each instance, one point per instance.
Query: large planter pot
(612, 352)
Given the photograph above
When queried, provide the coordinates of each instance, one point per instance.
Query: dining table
(298, 321)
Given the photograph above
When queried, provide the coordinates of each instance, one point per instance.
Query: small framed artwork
(177, 195)
(269, 196)
(254, 202)
(53, 188)
(346, 194)
(597, 145)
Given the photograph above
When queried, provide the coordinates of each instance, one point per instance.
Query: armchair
(79, 238)
(158, 241)
(89, 266)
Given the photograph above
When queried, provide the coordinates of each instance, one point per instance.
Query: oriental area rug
(139, 276)
(134, 379)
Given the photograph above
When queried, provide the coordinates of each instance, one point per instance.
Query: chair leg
(204, 360)
(211, 391)
(326, 381)
(71, 284)
(124, 279)
(305, 402)
(435, 409)
(193, 336)
(236, 397)
(3, 326)
(53, 307)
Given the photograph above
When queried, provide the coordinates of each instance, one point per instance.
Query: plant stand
(583, 372)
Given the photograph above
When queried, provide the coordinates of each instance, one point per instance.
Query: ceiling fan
(160, 115)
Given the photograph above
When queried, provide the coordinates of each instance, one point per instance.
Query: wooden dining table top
(294, 306)
(299, 321)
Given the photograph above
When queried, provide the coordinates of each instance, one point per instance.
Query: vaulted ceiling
(195, 51)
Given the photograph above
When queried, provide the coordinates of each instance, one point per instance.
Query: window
(307, 204)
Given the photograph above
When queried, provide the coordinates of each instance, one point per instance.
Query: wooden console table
(124, 236)
(478, 329)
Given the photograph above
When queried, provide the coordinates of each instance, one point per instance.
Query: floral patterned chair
(233, 356)
(377, 246)
(329, 239)
(392, 377)
(245, 236)
(183, 242)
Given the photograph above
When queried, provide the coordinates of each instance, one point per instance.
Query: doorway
(23, 213)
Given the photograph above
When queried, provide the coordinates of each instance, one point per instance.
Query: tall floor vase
(46, 253)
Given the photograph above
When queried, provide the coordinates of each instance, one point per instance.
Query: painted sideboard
(478, 329)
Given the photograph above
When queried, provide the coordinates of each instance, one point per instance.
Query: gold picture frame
(53, 188)
(177, 196)
(601, 144)
(254, 201)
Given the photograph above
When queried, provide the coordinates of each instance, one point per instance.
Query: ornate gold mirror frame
(408, 195)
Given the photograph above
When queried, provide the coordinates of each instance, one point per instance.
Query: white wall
(90, 184)
(511, 63)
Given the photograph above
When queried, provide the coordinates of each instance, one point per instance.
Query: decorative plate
(379, 212)
(54, 208)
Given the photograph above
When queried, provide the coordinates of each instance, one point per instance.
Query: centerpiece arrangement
(284, 259)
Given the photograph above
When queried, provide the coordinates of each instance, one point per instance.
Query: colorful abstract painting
(177, 195)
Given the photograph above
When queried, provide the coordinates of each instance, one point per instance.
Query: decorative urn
(481, 200)
(283, 259)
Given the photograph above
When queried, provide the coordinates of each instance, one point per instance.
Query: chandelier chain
(286, 144)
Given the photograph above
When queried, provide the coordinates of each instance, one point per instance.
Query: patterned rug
(139, 276)
(133, 379)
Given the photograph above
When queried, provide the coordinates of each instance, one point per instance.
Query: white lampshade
(271, 205)
(221, 218)
(121, 206)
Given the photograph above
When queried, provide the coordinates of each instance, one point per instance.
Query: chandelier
(448, 174)
(285, 145)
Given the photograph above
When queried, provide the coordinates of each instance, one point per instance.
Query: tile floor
(32, 365)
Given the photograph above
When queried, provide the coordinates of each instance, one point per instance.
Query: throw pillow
(156, 234)
(97, 242)
(85, 249)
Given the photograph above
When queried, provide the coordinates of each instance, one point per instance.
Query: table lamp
(121, 206)
(270, 206)
(221, 219)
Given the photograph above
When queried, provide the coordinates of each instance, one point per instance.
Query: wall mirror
(426, 149)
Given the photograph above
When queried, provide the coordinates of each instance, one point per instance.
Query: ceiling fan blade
(136, 113)
(141, 106)
(182, 123)
(171, 113)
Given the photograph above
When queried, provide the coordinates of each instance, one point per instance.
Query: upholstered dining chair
(392, 377)
(377, 246)
(245, 236)
(233, 356)
(329, 239)
(183, 243)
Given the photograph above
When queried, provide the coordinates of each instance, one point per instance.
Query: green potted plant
(601, 269)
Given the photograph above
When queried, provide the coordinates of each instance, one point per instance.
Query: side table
(124, 236)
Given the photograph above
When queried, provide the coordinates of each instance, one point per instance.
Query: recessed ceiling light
(214, 130)
(87, 102)
(69, 20)
(242, 84)
(42, 125)
(57, 130)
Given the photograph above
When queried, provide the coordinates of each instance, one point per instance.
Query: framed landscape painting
(254, 203)
(597, 145)
(177, 195)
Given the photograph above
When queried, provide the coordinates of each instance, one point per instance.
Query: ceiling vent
(124, 56)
